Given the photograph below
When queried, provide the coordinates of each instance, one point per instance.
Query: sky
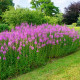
(58, 3)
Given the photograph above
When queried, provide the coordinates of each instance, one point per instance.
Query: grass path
(66, 68)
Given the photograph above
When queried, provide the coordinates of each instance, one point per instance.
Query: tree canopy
(45, 6)
(4, 5)
(72, 13)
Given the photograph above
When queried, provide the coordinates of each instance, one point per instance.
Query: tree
(45, 6)
(4, 5)
(72, 13)
(78, 21)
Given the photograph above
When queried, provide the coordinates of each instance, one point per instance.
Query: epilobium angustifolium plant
(27, 47)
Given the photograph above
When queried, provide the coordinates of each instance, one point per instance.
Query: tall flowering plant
(27, 47)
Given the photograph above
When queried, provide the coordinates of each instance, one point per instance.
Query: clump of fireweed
(27, 47)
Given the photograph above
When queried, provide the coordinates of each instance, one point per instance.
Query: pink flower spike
(0, 57)
(4, 44)
(9, 43)
(4, 52)
(37, 51)
(64, 39)
(6, 48)
(31, 47)
(2, 47)
(4, 58)
(26, 42)
(57, 41)
(78, 37)
(51, 36)
(23, 45)
(18, 57)
(14, 47)
(60, 40)
(35, 42)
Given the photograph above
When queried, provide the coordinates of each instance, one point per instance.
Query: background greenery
(4, 27)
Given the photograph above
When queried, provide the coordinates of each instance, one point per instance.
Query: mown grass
(66, 68)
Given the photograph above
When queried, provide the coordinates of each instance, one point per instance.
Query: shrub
(78, 22)
(57, 19)
(51, 20)
(3, 27)
(28, 47)
(18, 16)
(74, 24)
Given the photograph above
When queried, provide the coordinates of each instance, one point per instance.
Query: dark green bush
(3, 27)
(78, 22)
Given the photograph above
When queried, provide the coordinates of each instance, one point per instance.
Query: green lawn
(66, 68)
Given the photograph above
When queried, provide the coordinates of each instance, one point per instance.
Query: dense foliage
(72, 13)
(45, 6)
(16, 17)
(78, 22)
(4, 27)
(28, 47)
(57, 19)
(4, 5)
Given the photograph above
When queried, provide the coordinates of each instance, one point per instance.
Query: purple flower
(4, 58)
(51, 36)
(43, 45)
(37, 50)
(19, 48)
(64, 39)
(61, 35)
(4, 44)
(9, 43)
(6, 48)
(2, 47)
(35, 42)
(60, 40)
(32, 38)
(23, 45)
(20, 43)
(18, 57)
(49, 41)
(31, 47)
(40, 40)
(26, 42)
(4, 52)
(57, 41)
(77, 36)
(14, 47)
(0, 57)
(53, 43)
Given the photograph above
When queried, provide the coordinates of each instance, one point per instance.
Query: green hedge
(18, 16)
(3, 27)
(78, 22)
